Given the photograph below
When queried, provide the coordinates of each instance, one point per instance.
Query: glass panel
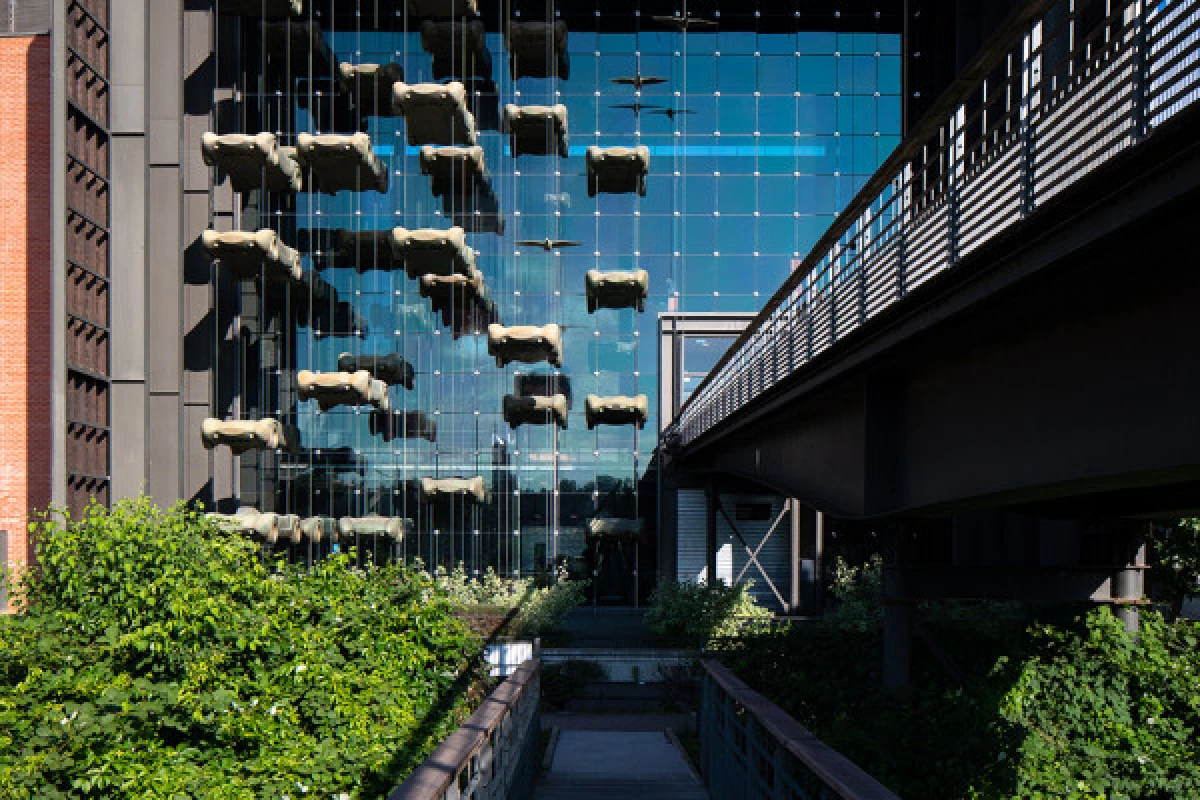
(752, 152)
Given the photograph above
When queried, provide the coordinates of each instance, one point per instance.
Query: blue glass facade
(757, 136)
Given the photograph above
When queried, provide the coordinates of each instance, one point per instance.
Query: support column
(1129, 583)
(710, 532)
(819, 564)
(897, 612)
(794, 509)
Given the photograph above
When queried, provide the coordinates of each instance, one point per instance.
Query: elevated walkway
(1000, 318)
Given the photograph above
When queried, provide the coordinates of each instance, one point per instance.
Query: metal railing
(751, 748)
(1064, 87)
(494, 755)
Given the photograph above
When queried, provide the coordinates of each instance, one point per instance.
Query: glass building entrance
(601, 164)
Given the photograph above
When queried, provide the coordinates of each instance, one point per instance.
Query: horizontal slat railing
(1063, 88)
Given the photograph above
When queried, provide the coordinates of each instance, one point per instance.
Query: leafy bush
(859, 591)
(1175, 575)
(563, 682)
(1085, 711)
(927, 742)
(534, 611)
(1099, 713)
(697, 615)
(680, 686)
(159, 658)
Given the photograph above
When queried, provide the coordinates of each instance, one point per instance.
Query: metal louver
(27, 16)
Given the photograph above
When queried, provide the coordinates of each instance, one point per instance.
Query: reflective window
(757, 135)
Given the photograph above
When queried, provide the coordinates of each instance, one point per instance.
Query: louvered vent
(27, 16)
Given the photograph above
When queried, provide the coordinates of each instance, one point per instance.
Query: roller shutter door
(689, 560)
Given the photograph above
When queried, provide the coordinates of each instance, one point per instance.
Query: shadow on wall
(38, 274)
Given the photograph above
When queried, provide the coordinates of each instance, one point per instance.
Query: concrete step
(618, 765)
(566, 787)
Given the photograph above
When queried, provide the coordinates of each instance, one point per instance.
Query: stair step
(564, 787)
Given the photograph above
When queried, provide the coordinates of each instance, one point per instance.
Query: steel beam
(1088, 584)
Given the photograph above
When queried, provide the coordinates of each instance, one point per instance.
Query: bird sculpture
(638, 81)
(638, 108)
(686, 22)
(547, 244)
(670, 113)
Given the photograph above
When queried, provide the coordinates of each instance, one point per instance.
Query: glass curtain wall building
(743, 129)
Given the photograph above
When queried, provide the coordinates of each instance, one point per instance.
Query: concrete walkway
(617, 759)
(632, 723)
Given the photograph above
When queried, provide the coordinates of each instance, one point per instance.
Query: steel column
(819, 564)
(897, 612)
(710, 533)
(1129, 584)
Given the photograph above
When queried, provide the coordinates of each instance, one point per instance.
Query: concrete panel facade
(128, 247)
(162, 348)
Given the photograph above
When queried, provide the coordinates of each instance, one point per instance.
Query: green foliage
(1085, 712)
(1176, 563)
(1100, 714)
(561, 683)
(159, 658)
(679, 686)
(859, 591)
(697, 615)
(534, 611)
(928, 742)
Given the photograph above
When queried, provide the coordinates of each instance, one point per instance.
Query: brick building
(26, 313)
(54, 296)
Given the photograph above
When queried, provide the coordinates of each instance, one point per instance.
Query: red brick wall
(26, 322)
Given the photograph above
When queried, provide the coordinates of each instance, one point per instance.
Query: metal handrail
(75, 106)
(78, 160)
(72, 52)
(749, 742)
(87, 12)
(73, 264)
(1063, 87)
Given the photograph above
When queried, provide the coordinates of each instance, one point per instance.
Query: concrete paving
(616, 762)
(572, 721)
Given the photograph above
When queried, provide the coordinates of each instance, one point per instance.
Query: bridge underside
(1056, 369)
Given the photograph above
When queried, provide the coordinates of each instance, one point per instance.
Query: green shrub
(697, 615)
(563, 682)
(1100, 714)
(534, 611)
(1175, 570)
(927, 742)
(159, 658)
(1085, 712)
(859, 591)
